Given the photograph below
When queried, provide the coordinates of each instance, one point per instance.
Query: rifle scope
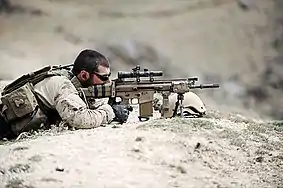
(122, 74)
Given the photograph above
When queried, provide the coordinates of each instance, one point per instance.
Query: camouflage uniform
(60, 94)
(47, 97)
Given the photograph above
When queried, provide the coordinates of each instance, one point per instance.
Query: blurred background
(237, 43)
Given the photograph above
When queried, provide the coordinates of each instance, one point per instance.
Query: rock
(136, 149)
(139, 139)
(245, 4)
(2, 171)
(197, 146)
(181, 169)
(259, 159)
(59, 169)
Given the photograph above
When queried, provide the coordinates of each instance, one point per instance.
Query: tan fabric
(59, 93)
(75, 81)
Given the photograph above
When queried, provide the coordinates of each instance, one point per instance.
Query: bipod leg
(181, 99)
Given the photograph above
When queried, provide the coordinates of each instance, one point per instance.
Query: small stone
(139, 139)
(116, 126)
(60, 169)
(197, 146)
(135, 149)
(245, 4)
(181, 169)
(2, 171)
(259, 159)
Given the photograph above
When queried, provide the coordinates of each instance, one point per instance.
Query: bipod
(180, 101)
(179, 104)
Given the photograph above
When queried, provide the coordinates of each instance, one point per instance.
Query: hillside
(217, 151)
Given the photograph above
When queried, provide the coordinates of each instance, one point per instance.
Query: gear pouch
(19, 106)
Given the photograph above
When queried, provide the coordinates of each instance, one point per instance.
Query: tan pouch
(19, 106)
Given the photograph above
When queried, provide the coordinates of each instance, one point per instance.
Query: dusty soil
(217, 151)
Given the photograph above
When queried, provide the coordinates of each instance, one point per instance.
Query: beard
(88, 82)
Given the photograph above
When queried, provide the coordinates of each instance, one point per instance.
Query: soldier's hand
(121, 112)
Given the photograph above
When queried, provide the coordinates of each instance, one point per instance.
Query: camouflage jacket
(56, 93)
(60, 93)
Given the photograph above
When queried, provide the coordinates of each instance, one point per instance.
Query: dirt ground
(217, 151)
(236, 145)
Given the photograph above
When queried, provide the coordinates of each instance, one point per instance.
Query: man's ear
(83, 76)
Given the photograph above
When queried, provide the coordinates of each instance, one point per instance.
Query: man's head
(91, 68)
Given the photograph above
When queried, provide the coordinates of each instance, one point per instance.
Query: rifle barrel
(202, 86)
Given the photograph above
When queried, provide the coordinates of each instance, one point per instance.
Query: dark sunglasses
(104, 77)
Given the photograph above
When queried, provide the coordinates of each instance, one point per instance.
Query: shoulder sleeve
(72, 108)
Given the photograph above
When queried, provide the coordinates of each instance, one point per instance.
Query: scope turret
(136, 73)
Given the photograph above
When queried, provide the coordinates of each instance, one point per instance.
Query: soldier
(53, 97)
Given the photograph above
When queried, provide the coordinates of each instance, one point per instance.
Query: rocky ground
(221, 150)
(235, 44)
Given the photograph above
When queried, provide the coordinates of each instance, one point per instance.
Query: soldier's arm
(72, 109)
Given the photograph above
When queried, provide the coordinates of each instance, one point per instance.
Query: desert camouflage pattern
(59, 93)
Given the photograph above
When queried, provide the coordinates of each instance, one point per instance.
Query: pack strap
(33, 77)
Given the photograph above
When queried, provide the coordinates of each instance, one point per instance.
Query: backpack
(20, 104)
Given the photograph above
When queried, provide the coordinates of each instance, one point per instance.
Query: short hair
(89, 60)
